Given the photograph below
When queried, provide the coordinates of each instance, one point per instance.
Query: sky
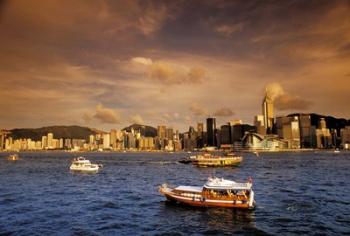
(107, 64)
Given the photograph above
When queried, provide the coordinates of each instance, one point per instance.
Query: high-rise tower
(267, 109)
(211, 135)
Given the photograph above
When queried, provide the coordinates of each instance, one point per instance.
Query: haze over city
(107, 64)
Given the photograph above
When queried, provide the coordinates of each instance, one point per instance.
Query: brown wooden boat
(216, 192)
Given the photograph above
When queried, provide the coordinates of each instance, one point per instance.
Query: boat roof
(189, 189)
(220, 183)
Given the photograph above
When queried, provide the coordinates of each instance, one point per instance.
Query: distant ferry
(211, 160)
(216, 192)
(81, 164)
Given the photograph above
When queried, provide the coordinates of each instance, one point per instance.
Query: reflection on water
(296, 193)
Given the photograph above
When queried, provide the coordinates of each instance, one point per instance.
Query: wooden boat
(216, 192)
(210, 160)
(13, 157)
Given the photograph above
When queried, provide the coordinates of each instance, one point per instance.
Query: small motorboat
(13, 157)
(216, 192)
(81, 164)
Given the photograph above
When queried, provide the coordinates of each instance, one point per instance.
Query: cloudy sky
(106, 64)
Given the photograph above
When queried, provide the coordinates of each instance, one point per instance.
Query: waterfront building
(268, 113)
(68, 143)
(61, 145)
(345, 137)
(44, 142)
(169, 133)
(146, 143)
(238, 131)
(323, 135)
(200, 128)
(211, 134)
(189, 143)
(78, 144)
(2, 139)
(106, 141)
(161, 131)
(113, 138)
(307, 131)
(55, 143)
(200, 135)
(259, 124)
(49, 140)
(38, 145)
(8, 144)
(177, 145)
(225, 134)
(256, 142)
(91, 139)
(288, 130)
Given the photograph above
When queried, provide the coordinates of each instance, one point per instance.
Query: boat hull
(202, 202)
(217, 162)
(91, 170)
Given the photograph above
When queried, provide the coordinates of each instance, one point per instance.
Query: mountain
(145, 130)
(77, 132)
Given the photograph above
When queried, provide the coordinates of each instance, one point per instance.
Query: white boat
(83, 165)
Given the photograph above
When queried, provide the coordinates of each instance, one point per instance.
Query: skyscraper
(50, 140)
(161, 131)
(259, 124)
(267, 109)
(211, 136)
(200, 128)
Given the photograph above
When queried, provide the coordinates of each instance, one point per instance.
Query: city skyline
(108, 64)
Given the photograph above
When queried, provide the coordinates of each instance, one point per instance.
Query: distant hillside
(77, 132)
(145, 130)
(332, 122)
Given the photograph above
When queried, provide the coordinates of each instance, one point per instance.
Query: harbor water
(296, 194)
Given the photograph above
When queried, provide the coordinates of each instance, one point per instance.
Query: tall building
(267, 110)
(161, 131)
(323, 135)
(200, 128)
(259, 124)
(2, 140)
(44, 142)
(106, 141)
(288, 129)
(113, 134)
(50, 140)
(307, 131)
(169, 133)
(200, 135)
(345, 137)
(211, 135)
(225, 134)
